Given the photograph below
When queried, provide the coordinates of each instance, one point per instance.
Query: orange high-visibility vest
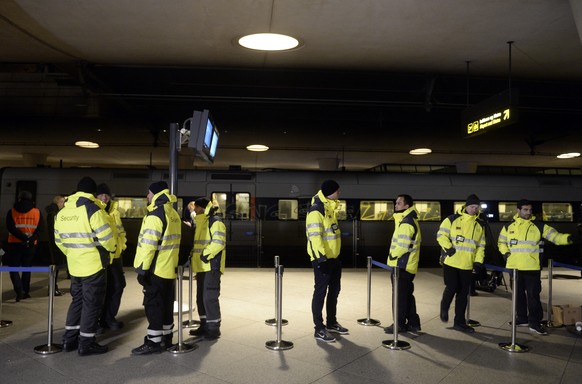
(25, 223)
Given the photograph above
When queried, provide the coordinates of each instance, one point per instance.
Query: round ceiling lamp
(420, 151)
(570, 155)
(86, 144)
(257, 148)
(268, 42)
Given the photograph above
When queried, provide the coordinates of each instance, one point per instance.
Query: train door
(236, 202)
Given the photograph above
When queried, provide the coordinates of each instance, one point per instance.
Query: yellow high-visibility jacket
(466, 234)
(158, 245)
(322, 229)
(84, 233)
(405, 245)
(120, 231)
(209, 241)
(521, 239)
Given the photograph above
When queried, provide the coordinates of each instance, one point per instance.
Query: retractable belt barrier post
(3, 323)
(273, 321)
(181, 347)
(395, 344)
(368, 320)
(513, 346)
(190, 323)
(50, 348)
(279, 345)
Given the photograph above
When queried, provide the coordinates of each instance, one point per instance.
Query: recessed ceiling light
(268, 42)
(420, 151)
(257, 148)
(86, 144)
(570, 155)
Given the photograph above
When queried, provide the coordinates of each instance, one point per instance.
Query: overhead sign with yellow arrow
(488, 115)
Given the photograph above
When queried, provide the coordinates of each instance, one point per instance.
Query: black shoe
(444, 315)
(539, 329)
(474, 293)
(198, 332)
(390, 329)
(148, 348)
(92, 349)
(463, 328)
(337, 328)
(414, 328)
(69, 346)
(519, 323)
(324, 335)
(25, 296)
(58, 293)
(18, 297)
(212, 334)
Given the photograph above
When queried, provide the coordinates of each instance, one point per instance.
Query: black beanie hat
(158, 187)
(201, 202)
(523, 202)
(328, 187)
(103, 189)
(471, 200)
(87, 185)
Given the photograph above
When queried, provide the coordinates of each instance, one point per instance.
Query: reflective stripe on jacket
(322, 229)
(209, 241)
(25, 222)
(84, 233)
(521, 239)
(120, 231)
(158, 245)
(405, 245)
(466, 234)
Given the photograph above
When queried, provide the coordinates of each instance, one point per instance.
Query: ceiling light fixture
(257, 148)
(570, 155)
(268, 42)
(420, 151)
(86, 144)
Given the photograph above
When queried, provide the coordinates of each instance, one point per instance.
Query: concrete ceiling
(372, 80)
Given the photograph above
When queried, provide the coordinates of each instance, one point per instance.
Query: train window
(376, 210)
(428, 210)
(242, 206)
(288, 210)
(219, 198)
(342, 212)
(557, 212)
(458, 205)
(136, 207)
(507, 211)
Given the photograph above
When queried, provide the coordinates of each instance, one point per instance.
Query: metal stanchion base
(368, 322)
(5, 323)
(399, 345)
(517, 348)
(473, 323)
(275, 345)
(48, 349)
(181, 348)
(273, 322)
(191, 323)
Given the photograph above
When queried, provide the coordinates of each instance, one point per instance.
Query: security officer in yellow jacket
(519, 242)
(404, 255)
(462, 240)
(84, 233)
(115, 276)
(208, 260)
(323, 246)
(155, 262)
(23, 224)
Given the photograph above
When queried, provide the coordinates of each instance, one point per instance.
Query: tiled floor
(438, 355)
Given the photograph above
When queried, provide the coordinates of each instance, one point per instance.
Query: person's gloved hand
(506, 256)
(477, 267)
(204, 258)
(145, 278)
(450, 252)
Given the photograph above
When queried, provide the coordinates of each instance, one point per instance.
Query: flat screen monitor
(203, 135)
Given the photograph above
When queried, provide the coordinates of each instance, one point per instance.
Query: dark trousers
(406, 302)
(88, 294)
(529, 305)
(158, 302)
(207, 294)
(326, 284)
(115, 285)
(457, 285)
(20, 255)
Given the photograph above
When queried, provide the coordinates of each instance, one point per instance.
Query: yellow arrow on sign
(506, 114)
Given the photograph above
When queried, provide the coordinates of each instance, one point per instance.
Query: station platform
(437, 354)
